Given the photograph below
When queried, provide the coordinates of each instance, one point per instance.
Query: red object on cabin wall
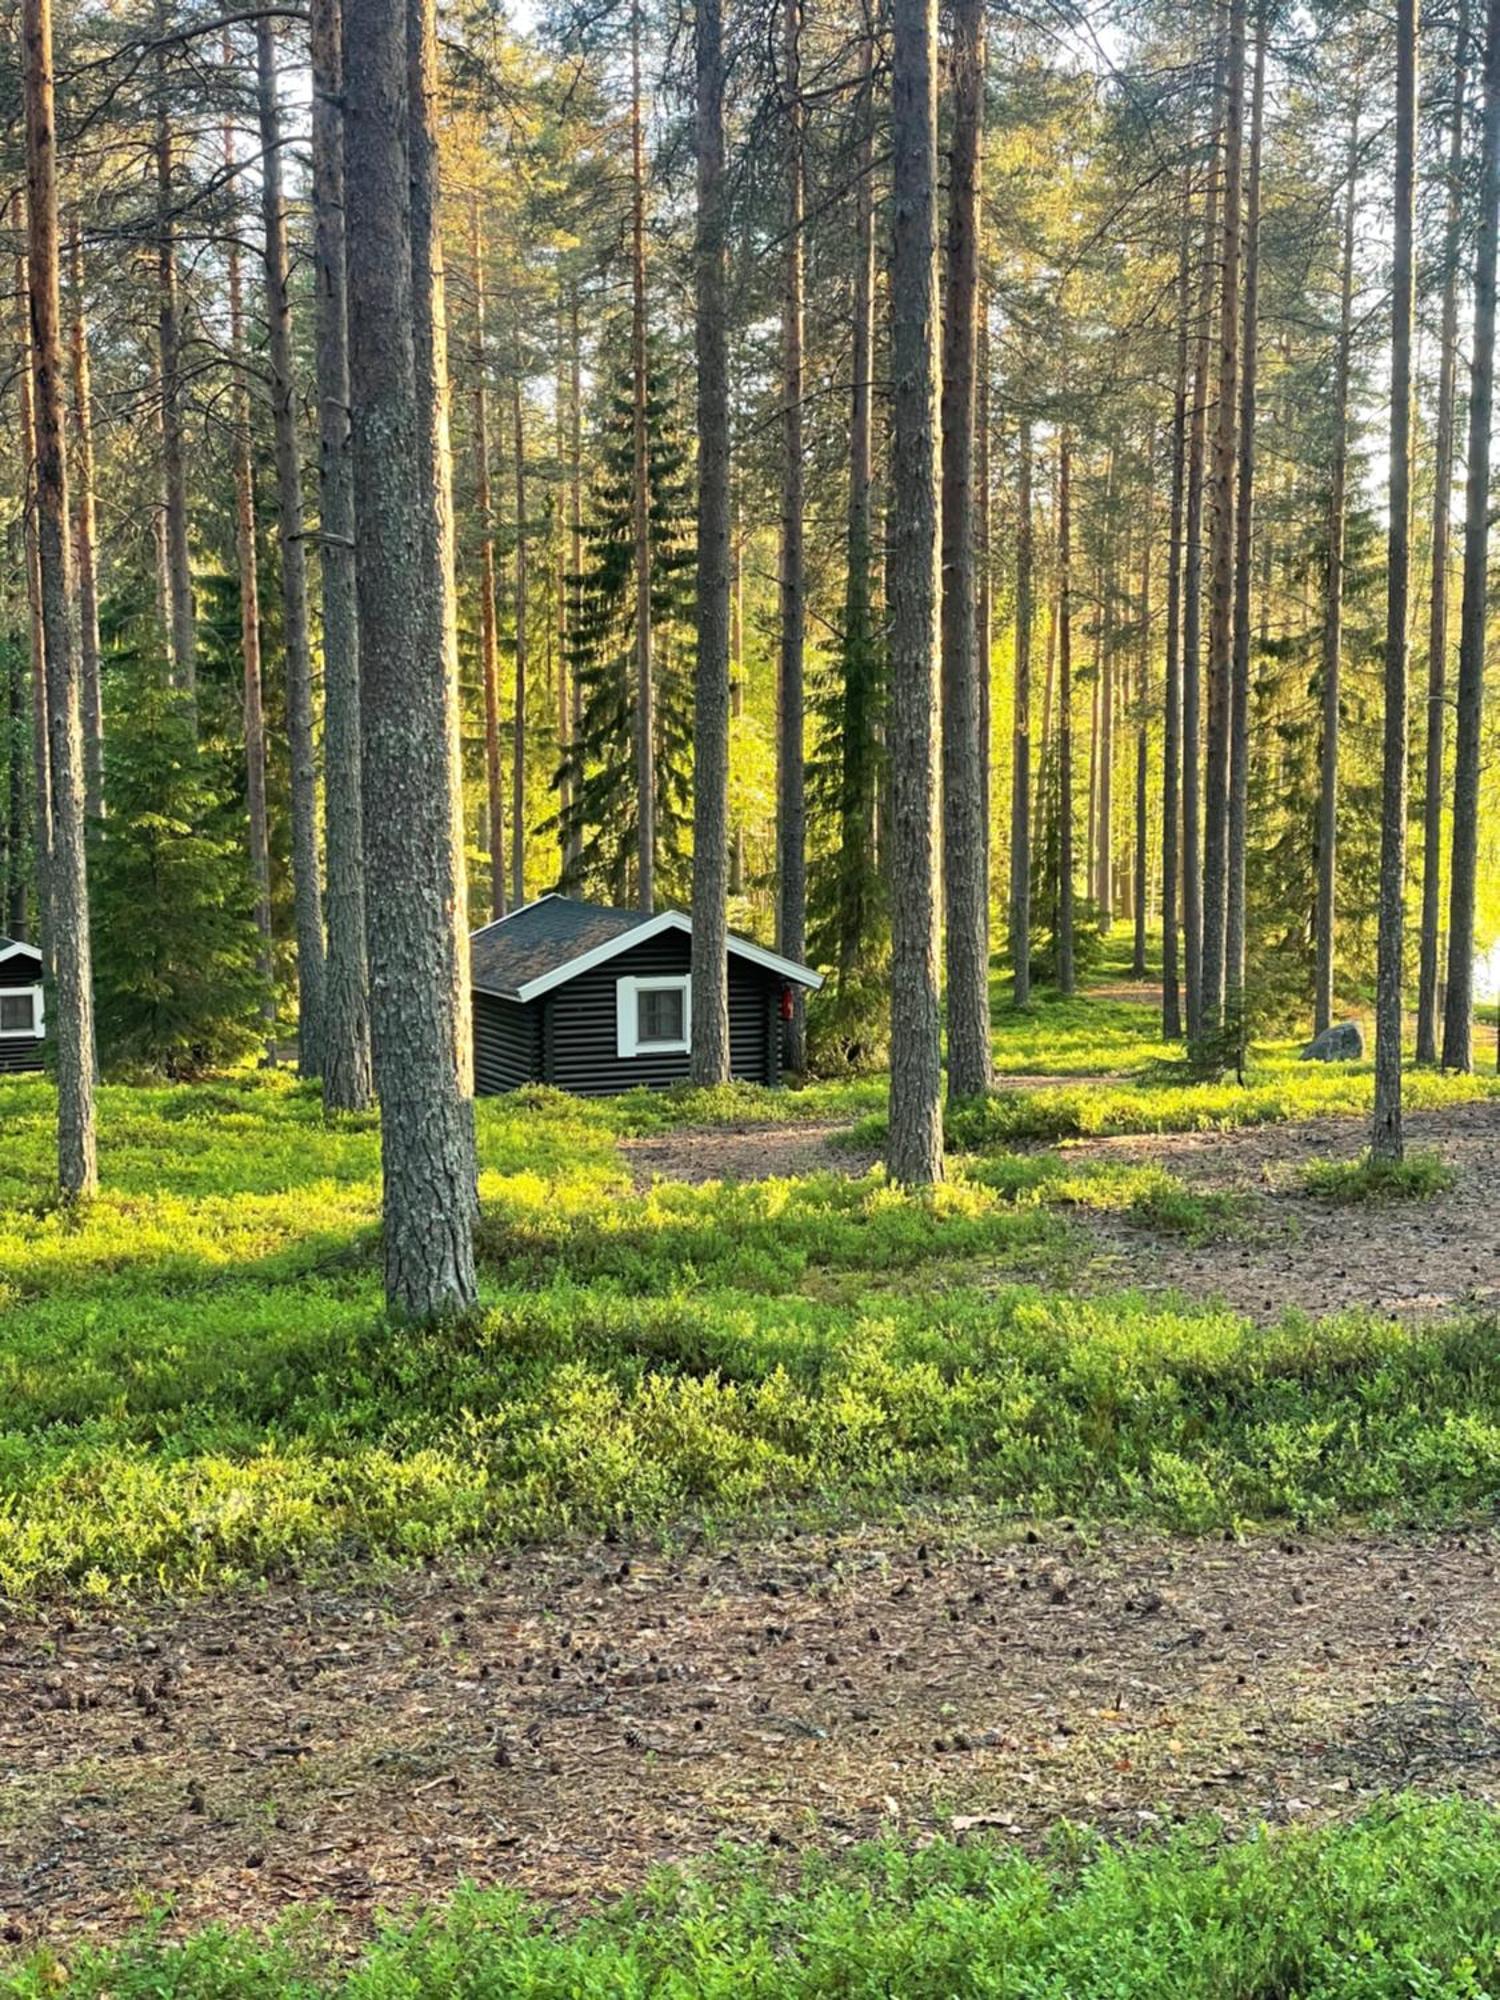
(786, 1003)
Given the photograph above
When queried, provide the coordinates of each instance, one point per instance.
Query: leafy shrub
(1418, 1177)
(1397, 1904)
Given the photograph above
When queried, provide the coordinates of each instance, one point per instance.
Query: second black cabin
(22, 1020)
(597, 1000)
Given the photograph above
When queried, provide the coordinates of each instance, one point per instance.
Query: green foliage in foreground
(1274, 1092)
(197, 1383)
(1416, 1178)
(1403, 1904)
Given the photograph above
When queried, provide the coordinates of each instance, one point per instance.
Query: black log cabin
(22, 1023)
(597, 1000)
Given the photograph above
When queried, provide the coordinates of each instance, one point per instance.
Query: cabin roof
(546, 943)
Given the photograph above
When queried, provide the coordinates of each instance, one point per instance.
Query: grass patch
(1399, 1903)
(1275, 1092)
(1418, 1177)
(198, 1384)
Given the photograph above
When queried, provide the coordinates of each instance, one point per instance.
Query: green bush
(1418, 1177)
(1402, 1904)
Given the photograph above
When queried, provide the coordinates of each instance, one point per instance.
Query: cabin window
(653, 1017)
(21, 1012)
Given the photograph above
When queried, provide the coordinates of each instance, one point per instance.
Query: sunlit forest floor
(1141, 1479)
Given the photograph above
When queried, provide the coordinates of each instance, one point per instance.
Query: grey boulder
(1344, 1042)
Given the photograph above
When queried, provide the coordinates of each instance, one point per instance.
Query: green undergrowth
(1418, 1177)
(1276, 1092)
(1400, 1904)
(198, 1384)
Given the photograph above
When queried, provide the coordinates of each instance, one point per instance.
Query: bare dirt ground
(564, 1719)
(1413, 1258)
(749, 1152)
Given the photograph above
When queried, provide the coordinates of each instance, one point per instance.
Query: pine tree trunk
(560, 623)
(916, 1125)
(1020, 794)
(247, 560)
(182, 643)
(1333, 624)
(1139, 886)
(307, 884)
(1385, 1129)
(857, 744)
(1171, 788)
(427, 1146)
(965, 887)
(85, 536)
(1066, 977)
(73, 1002)
(348, 1084)
(489, 653)
(574, 833)
(791, 806)
(710, 985)
(1458, 1052)
(440, 606)
(1192, 580)
(41, 755)
(16, 921)
(1442, 510)
(518, 743)
(1239, 688)
(1221, 598)
(645, 721)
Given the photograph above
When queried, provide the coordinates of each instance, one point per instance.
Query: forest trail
(563, 1719)
(1413, 1258)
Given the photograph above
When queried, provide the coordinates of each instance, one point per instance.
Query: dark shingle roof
(536, 940)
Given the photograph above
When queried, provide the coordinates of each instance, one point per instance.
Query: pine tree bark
(1020, 793)
(1221, 599)
(1237, 830)
(645, 706)
(85, 534)
(857, 734)
(1066, 974)
(791, 804)
(916, 1125)
(573, 834)
(427, 1145)
(1458, 1049)
(1192, 577)
(307, 885)
(710, 984)
(1140, 882)
(182, 641)
(440, 605)
(348, 1083)
(1385, 1128)
(1324, 916)
(1442, 511)
(1171, 789)
(489, 652)
(965, 875)
(41, 755)
(522, 660)
(248, 564)
(73, 1004)
(16, 920)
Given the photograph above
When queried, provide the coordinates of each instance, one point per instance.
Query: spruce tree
(177, 977)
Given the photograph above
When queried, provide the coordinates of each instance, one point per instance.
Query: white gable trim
(654, 927)
(18, 948)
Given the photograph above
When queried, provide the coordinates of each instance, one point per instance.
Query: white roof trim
(20, 945)
(551, 896)
(667, 920)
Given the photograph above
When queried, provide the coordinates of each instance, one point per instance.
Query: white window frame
(38, 1021)
(628, 993)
